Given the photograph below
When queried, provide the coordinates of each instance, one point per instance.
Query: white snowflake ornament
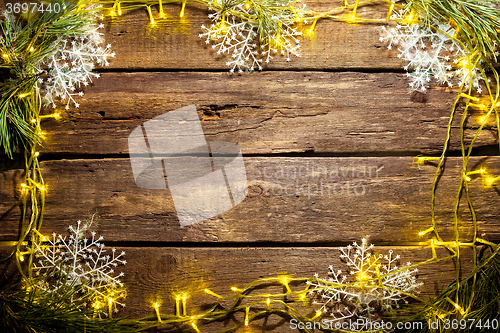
(80, 262)
(378, 285)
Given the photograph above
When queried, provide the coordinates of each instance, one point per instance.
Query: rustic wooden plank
(324, 200)
(163, 273)
(160, 274)
(271, 112)
(173, 42)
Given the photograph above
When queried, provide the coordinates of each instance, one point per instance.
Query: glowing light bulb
(182, 9)
(160, 5)
(156, 305)
(151, 19)
(193, 325)
(318, 313)
(246, 316)
(489, 181)
(208, 291)
(426, 231)
(184, 311)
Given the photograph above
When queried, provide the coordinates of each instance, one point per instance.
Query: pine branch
(478, 21)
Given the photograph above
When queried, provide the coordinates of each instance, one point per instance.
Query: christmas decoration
(379, 286)
(49, 55)
(252, 42)
(80, 262)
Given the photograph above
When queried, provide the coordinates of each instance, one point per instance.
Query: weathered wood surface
(291, 200)
(155, 273)
(264, 113)
(173, 43)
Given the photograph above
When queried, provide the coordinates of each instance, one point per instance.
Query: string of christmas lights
(253, 31)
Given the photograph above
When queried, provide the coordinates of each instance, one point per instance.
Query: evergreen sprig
(26, 309)
(27, 42)
(478, 296)
(478, 21)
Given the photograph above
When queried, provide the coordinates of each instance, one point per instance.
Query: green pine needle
(478, 21)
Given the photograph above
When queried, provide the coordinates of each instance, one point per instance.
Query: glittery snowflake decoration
(430, 54)
(80, 262)
(248, 44)
(71, 64)
(376, 285)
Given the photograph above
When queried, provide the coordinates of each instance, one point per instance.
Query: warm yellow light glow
(470, 97)
(22, 95)
(97, 305)
(184, 311)
(160, 5)
(151, 19)
(36, 154)
(391, 9)
(352, 18)
(32, 49)
(475, 172)
(363, 277)
(208, 291)
(464, 62)
(195, 327)
(110, 307)
(5, 55)
(482, 120)
(268, 301)
(23, 185)
(248, 5)
(318, 313)
(177, 306)
(156, 305)
(182, 9)
(410, 18)
(419, 160)
(246, 315)
(426, 231)
(489, 181)
(235, 289)
(33, 120)
(21, 257)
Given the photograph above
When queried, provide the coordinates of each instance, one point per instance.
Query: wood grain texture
(265, 113)
(160, 274)
(173, 43)
(291, 200)
(163, 273)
